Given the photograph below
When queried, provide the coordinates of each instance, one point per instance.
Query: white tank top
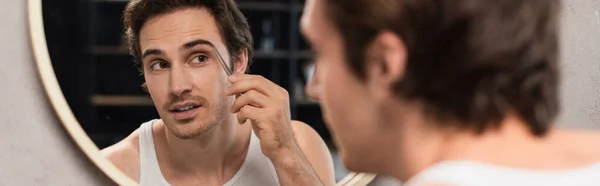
(256, 169)
(467, 173)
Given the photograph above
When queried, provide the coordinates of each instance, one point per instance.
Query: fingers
(247, 113)
(257, 93)
(240, 76)
(242, 83)
(251, 98)
(242, 116)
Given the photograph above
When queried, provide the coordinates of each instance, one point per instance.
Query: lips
(184, 108)
(183, 111)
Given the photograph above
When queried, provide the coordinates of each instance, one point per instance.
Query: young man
(213, 129)
(447, 92)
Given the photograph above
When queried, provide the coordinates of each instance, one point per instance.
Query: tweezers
(223, 64)
(220, 59)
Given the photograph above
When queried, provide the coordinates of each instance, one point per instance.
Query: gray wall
(36, 151)
(581, 64)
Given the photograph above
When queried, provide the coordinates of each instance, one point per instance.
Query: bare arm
(314, 166)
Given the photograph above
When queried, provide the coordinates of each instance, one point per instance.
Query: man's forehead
(189, 17)
(178, 28)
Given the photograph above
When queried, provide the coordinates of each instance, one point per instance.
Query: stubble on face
(196, 127)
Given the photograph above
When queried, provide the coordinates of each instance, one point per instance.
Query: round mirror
(95, 88)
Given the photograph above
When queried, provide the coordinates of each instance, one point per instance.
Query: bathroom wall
(580, 64)
(34, 148)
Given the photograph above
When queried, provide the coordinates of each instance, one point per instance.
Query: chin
(357, 158)
(190, 129)
(352, 164)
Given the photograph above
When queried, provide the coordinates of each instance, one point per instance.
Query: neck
(511, 144)
(225, 147)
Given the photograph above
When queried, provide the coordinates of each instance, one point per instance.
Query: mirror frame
(65, 115)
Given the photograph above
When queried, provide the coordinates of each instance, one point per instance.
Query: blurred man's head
(171, 42)
(446, 64)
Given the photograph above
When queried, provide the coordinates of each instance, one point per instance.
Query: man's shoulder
(304, 133)
(125, 154)
(127, 148)
(315, 150)
(308, 139)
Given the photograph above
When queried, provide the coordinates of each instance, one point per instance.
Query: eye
(200, 59)
(159, 65)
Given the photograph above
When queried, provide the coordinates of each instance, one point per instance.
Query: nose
(313, 87)
(180, 81)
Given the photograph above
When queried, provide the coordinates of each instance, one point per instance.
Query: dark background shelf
(275, 54)
(102, 85)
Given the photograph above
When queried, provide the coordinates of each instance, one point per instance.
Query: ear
(386, 63)
(241, 62)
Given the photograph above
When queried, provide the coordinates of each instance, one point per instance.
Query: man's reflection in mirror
(214, 128)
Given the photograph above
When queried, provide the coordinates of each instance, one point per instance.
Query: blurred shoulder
(315, 150)
(304, 133)
(577, 142)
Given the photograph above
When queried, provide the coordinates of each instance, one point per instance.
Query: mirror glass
(103, 87)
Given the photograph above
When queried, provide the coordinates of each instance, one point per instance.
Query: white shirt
(257, 169)
(468, 173)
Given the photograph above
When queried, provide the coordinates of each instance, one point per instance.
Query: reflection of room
(102, 86)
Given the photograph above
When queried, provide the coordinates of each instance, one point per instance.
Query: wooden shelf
(109, 50)
(282, 54)
(134, 100)
(307, 101)
(277, 54)
(122, 100)
(258, 5)
(245, 5)
(268, 6)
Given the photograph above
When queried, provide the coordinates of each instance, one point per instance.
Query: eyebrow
(192, 44)
(187, 45)
(149, 52)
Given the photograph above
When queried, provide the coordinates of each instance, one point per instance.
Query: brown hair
(468, 60)
(232, 24)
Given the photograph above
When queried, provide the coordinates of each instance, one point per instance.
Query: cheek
(336, 93)
(337, 85)
(210, 80)
(346, 103)
(157, 85)
(158, 88)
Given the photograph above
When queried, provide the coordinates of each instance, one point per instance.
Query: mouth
(184, 108)
(184, 111)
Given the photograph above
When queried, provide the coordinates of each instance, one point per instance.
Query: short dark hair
(232, 24)
(469, 61)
